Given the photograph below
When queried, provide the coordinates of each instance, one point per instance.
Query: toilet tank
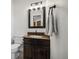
(18, 39)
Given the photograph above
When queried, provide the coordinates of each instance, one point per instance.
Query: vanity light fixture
(36, 7)
(36, 3)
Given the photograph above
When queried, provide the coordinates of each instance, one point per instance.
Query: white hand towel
(51, 23)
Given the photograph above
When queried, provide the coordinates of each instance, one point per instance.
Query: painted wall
(19, 21)
(59, 43)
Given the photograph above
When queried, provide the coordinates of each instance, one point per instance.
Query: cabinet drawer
(40, 42)
(27, 41)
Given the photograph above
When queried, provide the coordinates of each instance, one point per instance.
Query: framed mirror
(36, 18)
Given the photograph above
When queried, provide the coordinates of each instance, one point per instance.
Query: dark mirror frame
(44, 19)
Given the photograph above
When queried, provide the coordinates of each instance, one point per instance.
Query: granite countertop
(37, 37)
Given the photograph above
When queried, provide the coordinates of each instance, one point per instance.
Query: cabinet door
(27, 53)
(44, 53)
(40, 53)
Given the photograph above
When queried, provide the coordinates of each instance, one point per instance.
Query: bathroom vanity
(36, 46)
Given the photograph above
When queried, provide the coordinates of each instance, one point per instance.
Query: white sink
(35, 36)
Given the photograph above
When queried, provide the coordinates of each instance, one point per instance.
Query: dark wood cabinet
(36, 48)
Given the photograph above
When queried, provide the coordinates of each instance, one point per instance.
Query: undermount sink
(35, 36)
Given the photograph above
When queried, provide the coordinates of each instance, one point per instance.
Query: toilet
(16, 47)
(14, 50)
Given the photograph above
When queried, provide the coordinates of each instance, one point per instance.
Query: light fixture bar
(36, 3)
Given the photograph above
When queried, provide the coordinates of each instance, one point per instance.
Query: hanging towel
(51, 23)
